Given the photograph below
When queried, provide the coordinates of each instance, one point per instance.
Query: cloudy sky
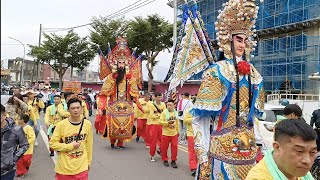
(21, 20)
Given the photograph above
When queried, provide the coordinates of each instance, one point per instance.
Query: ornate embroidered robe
(229, 151)
(120, 114)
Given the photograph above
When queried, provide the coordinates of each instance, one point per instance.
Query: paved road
(131, 163)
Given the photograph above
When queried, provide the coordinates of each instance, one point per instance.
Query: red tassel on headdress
(243, 68)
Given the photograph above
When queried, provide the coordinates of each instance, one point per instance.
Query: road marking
(45, 139)
(182, 148)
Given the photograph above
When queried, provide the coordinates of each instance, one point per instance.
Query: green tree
(150, 35)
(105, 31)
(62, 52)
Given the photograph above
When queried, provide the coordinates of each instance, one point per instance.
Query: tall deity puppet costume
(121, 72)
(230, 96)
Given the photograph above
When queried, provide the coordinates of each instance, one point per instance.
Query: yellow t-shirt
(72, 161)
(31, 137)
(154, 115)
(85, 111)
(59, 115)
(187, 120)
(138, 113)
(260, 172)
(166, 129)
(36, 106)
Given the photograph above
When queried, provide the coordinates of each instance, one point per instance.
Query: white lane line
(45, 139)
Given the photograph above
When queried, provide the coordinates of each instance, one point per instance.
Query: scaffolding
(288, 49)
(286, 62)
(275, 13)
(289, 41)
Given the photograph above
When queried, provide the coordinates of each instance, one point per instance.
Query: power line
(100, 19)
(10, 44)
(128, 10)
(120, 12)
(113, 15)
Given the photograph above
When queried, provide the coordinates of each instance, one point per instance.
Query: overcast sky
(21, 20)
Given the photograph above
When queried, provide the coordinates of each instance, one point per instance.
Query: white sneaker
(36, 143)
(152, 159)
(147, 147)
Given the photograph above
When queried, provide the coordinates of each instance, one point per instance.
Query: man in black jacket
(12, 137)
(315, 120)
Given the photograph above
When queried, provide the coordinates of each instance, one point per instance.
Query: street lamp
(24, 56)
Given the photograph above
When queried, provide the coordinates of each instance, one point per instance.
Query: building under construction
(288, 48)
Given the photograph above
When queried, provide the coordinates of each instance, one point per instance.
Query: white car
(266, 125)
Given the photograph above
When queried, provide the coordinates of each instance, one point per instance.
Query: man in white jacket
(184, 104)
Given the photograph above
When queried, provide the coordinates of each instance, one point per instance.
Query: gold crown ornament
(237, 17)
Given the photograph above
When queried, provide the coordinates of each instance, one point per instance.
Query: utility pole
(175, 23)
(37, 74)
(173, 4)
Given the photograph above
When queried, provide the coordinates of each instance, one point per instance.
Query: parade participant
(85, 112)
(16, 106)
(315, 121)
(294, 151)
(224, 132)
(67, 96)
(141, 118)
(101, 119)
(191, 152)
(24, 162)
(155, 110)
(95, 97)
(88, 100)
(291, 111)
(122, 75)
(54, 114)
(51, 97)
(184, 104)
(16, 90)
(73, 139)
(33, 122)
(63, 100)
(46, 98)
(13, 145)
(148, 123)
(37, 104)
(170, 133)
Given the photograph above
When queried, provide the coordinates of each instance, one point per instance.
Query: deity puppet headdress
(237, 17)
(121, 52)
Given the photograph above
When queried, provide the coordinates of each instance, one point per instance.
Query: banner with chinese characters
(72, 86)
